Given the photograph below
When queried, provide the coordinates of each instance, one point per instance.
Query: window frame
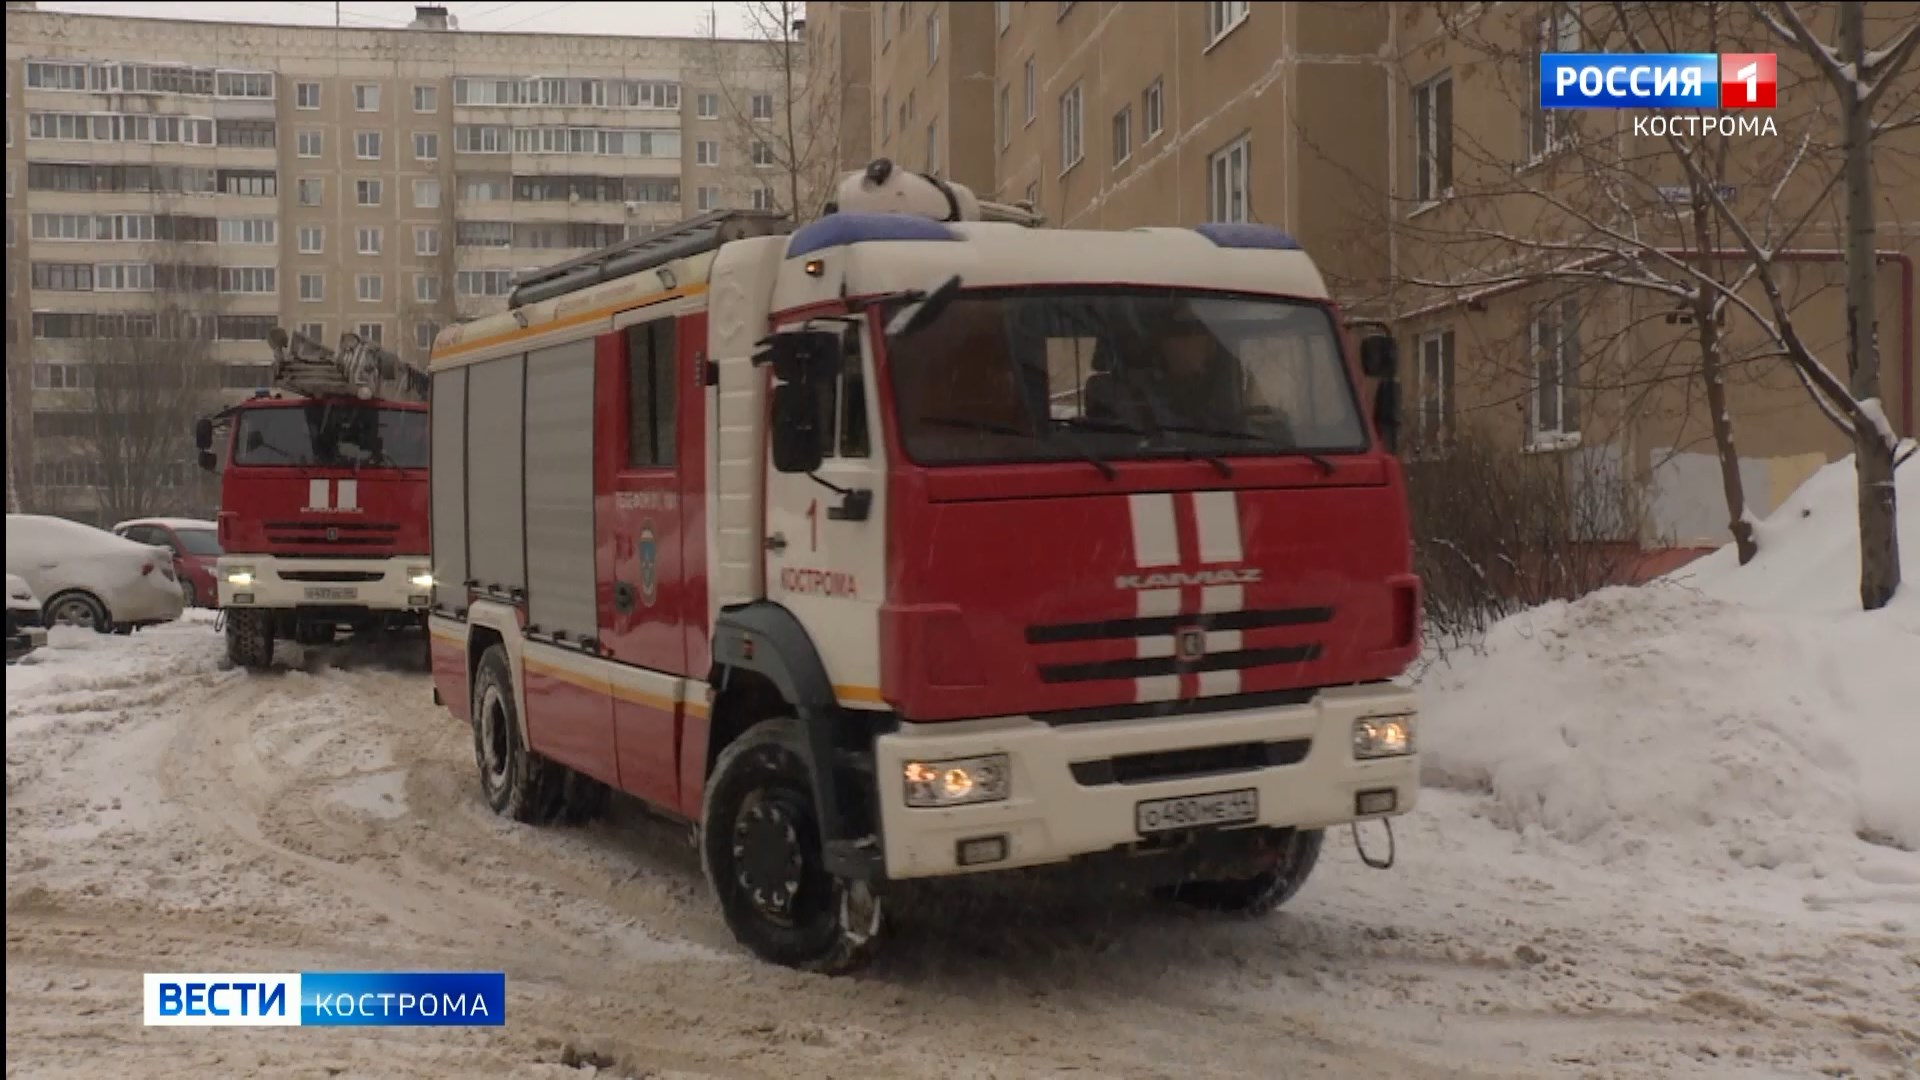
(1241, 145)
(1433, 140)
(1073, 126)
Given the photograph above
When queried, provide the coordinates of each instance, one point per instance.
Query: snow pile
(1724, 717)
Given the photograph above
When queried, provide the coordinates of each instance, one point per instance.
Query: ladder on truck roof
(694, 236)
(359, 368)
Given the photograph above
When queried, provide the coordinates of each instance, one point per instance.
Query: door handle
(622, 597)
(777, 543)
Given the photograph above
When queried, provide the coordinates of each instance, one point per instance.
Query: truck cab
(323, 518)
(911, 544)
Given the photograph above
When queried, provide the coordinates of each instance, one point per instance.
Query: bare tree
(779, 105)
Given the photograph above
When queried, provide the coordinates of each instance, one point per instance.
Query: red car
(195, 546)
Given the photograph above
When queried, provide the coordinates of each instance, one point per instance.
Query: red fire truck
(922, 541)
(323, 498)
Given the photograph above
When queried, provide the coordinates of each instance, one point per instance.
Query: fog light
(1381, 801)
(958, 781)
(980, 849)
(242, 598)
(1382, 736)
(417, 601)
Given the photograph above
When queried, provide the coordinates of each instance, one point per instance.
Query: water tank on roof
(881, 188)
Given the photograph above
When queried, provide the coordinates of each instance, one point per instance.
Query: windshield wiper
(1326, 466)
(1091, 458)
(1091, 424)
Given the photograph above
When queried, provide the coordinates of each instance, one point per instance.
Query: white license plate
(323, 592)
(1196, 811)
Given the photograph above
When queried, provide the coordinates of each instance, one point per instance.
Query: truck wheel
(516, 782)
(250, 638)
(1260, 893)
(582, 799)
(760, 847)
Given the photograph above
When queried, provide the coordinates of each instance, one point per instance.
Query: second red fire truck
(921, 542)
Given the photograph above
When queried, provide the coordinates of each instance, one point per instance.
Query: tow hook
(1361, 849)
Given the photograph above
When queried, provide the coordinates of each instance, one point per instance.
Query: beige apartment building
(172, 180)
(1396, 142)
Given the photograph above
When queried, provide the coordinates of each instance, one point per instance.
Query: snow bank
(1723, 717)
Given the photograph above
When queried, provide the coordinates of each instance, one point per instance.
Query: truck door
(826, 552)
(648, 606)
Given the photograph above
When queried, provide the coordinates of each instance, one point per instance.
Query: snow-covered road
(167, 814)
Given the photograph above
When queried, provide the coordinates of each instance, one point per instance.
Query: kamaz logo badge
(1174, 579)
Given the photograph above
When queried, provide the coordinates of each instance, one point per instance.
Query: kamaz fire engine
(323, 498)
(922, 541)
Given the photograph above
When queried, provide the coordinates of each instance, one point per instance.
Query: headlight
(1382, 736)
(240, 575)
(959, 781)
(421, 577)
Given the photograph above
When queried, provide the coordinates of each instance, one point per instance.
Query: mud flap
(1361, 849)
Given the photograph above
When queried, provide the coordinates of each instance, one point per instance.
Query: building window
(312, 330)
(123, 277)
(366, 145)
(306, 95)
(426, 240)
(1228, 182)
(1434, 421)
(1003, 116)
(247, 280)
(933, 147)
(1152, 110)
(906, 113)
(248, 231)
(423, 335)
(1548, 129)
(310, 143)
(886, 116)
(258, 134)
(313, 288)
(1060, 9)
(366, 97)
(763, 106)
(243, 84)
(369, 239)
(426, 194)
(1029, 85)
(706, 198)
(369, 287)
(762, 154)
(312, 239)
(426, 288)
(367, 192)
(1554, 343)
(372, 331)
(1222, 17)
(310, 190)
(709, 106)
(886, 25)
(1071, 135)
(426, 99)
(933, 39)
(426, 146)
(706, 152)
(1122, 135)
(1002, 16)
(763, 198)
(652, 360)
(1433, 140)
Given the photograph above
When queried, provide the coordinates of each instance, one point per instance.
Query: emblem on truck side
(1173, 579)
(649, 565)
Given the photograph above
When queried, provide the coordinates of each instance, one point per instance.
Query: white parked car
(25, 630)
(89, 577)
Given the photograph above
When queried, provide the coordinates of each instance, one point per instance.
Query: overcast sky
(680, 18)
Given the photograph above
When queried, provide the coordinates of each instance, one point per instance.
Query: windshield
(1041, 375)
(332, 435)
(199, 541)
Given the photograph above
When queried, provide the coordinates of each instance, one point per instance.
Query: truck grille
(348, 537)
(1167, 625)
(332, 575)
(1190, 762)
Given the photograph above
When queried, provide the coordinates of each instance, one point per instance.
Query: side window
(853, 403)
(651, 366)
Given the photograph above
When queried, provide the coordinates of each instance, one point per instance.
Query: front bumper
(1056, 812)
(280, 583)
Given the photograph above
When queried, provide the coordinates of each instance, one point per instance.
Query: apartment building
(188, 181)
(1390, 139)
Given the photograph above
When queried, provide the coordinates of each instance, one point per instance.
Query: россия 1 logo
(1728, 81)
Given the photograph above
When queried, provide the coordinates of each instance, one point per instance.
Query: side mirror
(203, 434)
(1380, 357)
(804, 364)
(917, 316)
(1386, 412)
(208, 461)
